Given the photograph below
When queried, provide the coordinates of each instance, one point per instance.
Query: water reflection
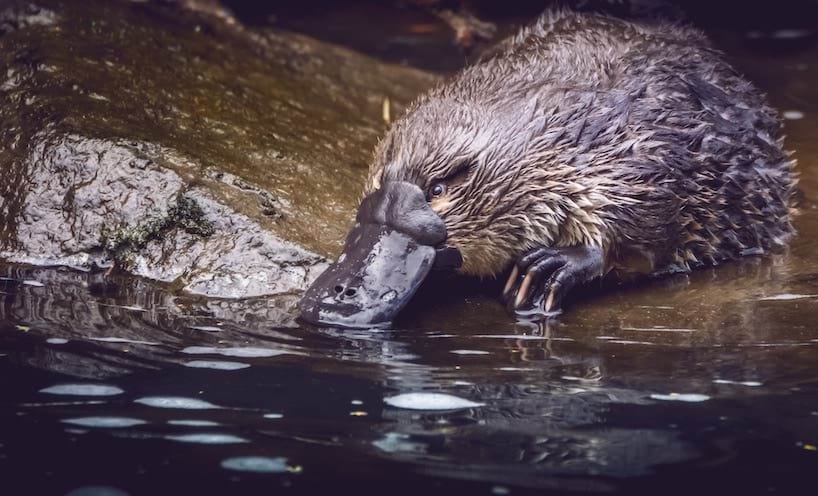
(619, 387)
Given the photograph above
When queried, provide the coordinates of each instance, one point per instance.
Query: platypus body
(583, 146)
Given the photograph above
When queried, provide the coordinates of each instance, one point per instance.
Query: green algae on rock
(111, 112)
(184, 214)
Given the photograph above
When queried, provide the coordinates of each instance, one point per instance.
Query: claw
(523, 292)
(551, 273)
(512, 279)
(549, 302)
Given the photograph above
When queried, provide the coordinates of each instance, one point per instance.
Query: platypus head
(396, 240)
(461, 175)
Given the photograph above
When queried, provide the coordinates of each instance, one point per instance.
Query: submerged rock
(180, 146)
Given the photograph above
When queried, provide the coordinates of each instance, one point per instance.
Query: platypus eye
(436, 190)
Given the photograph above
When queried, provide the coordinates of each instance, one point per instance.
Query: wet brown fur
(590, 130)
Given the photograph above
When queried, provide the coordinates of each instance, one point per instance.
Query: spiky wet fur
(588, 129)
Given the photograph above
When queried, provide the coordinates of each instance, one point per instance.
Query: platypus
(585, 145)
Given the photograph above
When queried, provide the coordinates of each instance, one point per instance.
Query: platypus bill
(585, 145)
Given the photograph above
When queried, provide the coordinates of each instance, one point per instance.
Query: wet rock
(180, 146)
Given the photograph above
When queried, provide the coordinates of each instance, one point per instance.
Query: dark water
(706, 382)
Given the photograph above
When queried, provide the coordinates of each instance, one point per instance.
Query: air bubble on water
(793, 115)
(176, 402)
(83, 390)
(690, 398)
(738, 383)
(104, 422)
(194, 423)
(258, 464)
(241, 352)
(788, 297)
(579, 379)
(430, 401)
(216, 365)
(397, 442)
(207, 438)
(56, 340)
(273, 416)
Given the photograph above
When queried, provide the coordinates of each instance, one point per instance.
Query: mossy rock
(111, 112)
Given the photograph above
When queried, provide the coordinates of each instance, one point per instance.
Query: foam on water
(258, 464)
(738, 383)
(429, 401)
(690, 397)
(83, 390)
(788, 297)
(104, 422)
(397, 442)
(216, 365)
(793, 115)
(194, 423)
(207, 438)
(176, 402)
(241, 352)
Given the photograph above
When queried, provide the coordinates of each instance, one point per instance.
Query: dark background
(409, 31)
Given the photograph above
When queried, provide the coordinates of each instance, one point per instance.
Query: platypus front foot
(545, 275)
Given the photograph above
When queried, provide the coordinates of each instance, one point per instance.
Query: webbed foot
(547, 274)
